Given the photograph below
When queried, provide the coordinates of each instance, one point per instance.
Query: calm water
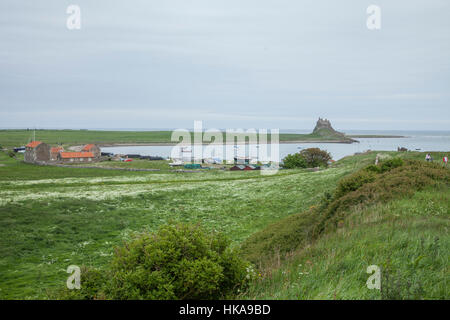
(425, 141)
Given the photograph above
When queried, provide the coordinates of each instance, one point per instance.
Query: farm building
(76, 156)
(54, 153)
(244, 167)
(37, 151)
(252, 167)
(92, 148)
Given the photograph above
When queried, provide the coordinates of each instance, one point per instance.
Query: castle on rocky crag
(325, 124)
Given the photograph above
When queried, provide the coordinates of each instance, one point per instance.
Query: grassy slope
(399, 222)
(51, 218)
(15, 138)
(407, 238)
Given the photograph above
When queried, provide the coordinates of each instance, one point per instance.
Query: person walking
(445, 160)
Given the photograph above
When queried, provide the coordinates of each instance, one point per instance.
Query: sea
(412, 140)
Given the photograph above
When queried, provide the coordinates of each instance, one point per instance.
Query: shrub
(177, 262)
(373, 168)
(315, 157)
(307, 158)
(404, 180)
(295, 160)
(353, 182)
(390, 164)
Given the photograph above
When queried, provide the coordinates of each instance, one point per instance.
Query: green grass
(47, 224)
(53, 217)
(135, 164)
(407, 238)
(399, 221)
(16, 138)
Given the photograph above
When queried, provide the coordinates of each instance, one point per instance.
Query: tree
(315, 157)
(307, 158)
(295, 160)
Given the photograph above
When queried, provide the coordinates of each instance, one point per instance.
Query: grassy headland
(17, 138)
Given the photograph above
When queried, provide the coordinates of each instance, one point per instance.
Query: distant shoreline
(168, 144)
(11, 138)
(374, 136)
(162, 144)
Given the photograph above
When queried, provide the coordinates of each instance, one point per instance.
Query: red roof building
(56, 149)
(92, 148)
(76, 156)
(88, 147)
(37, 151)
(54, 152)
(66, 155)
(33, 144)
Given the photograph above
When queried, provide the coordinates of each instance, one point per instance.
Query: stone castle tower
(325, 124)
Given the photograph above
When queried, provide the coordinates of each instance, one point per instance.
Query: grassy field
(17, 138)
(59, 216)
(53, 217)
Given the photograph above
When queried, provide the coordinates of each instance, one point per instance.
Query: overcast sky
(231, 63)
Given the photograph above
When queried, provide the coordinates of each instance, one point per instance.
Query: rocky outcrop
(325, 125)
(325, 130)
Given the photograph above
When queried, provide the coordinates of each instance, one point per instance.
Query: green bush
(365, 187)
(366, 175)
(307, 158)
(177, 262)
(373, 168)
(295, 160)
(315, 157)
(390, 164)
(353, 182)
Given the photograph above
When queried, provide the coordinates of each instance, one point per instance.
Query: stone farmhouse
(92, 148)
(37, 151)
(54, 152)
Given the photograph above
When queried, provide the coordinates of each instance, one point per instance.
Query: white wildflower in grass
(83, 244)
